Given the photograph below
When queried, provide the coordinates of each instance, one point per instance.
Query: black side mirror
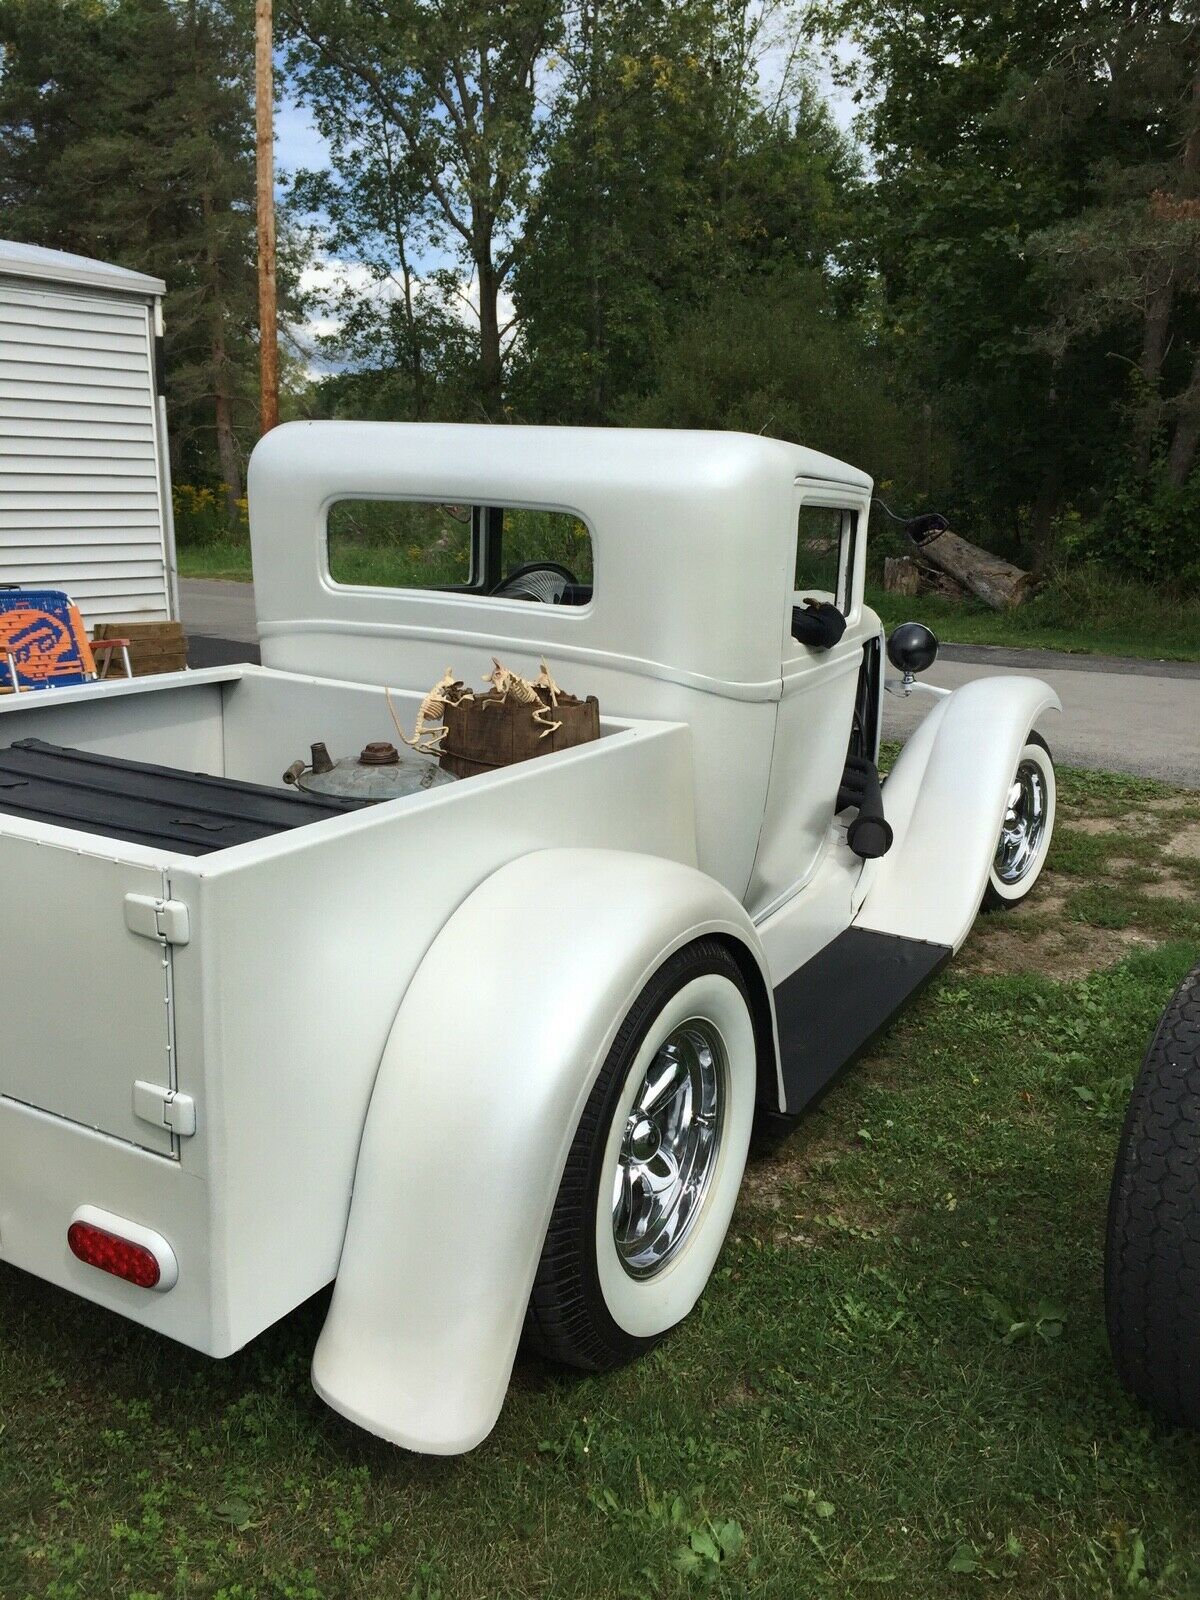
(912, 648)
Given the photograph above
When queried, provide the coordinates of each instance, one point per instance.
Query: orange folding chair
(44, 644)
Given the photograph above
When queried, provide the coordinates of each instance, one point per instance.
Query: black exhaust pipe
(870, 834)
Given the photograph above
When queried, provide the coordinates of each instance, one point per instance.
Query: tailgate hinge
(151, 918)
(165, 1108)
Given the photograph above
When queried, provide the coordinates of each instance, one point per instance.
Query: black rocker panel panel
(831, 1008)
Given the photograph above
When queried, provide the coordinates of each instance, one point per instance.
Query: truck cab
(696, 548)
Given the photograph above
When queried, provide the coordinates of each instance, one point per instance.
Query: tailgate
(84, 1004)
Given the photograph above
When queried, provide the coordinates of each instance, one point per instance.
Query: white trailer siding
(84, 486)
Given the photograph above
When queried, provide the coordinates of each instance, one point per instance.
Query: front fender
(499, 1039)
(945, 802)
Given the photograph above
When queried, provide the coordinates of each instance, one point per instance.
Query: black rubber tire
(567, 1319)
(997, 902)
(1152, 1246)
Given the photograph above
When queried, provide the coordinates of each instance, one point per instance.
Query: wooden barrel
(484, 734)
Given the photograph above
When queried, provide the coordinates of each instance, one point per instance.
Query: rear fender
(483, 1080)
(945, 801)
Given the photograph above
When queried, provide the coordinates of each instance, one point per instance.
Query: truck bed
(193, 813)
(267, 993)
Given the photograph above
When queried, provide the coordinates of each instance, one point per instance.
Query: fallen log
(935, 581)
(997, 583)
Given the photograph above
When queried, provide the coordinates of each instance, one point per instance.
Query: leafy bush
(202, 518)
(1148, 530)
(1086, 589)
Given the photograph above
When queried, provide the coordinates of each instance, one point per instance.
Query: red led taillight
(110, 1253)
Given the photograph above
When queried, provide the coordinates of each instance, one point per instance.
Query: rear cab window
(510, 553)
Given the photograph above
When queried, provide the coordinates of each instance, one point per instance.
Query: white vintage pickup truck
(485, 1056)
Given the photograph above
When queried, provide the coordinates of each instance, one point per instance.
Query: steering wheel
(546, 581)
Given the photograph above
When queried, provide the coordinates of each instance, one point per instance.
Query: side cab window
(826, 552)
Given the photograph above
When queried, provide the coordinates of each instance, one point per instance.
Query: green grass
(357, 564)
(222, 558)
(1083, 612)
(1081, 615)
(898, 1382)
(393, 543)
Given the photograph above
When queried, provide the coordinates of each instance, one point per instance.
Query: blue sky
(297, 142)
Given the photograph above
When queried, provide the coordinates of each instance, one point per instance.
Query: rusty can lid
(379, 754)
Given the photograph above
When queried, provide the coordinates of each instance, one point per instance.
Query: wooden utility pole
(264, 118)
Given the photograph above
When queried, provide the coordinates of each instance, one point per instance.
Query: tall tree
(126, 132)
(680, 158)
(1028, 222)
(775, 357)
(264, 186)
(402, 332)
(946, 221)
(1124, 89)
(201, 151)
(449, 86)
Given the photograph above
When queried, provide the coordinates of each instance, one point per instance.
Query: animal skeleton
(430, 730)
(545, 684)
(504, 683)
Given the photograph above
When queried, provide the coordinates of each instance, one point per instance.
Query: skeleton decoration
(505, 684)
(545, 684)
(541, 694)
(430, 729)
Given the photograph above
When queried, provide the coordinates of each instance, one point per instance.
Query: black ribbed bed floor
(193, 813)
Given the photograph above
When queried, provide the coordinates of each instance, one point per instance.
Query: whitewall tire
(654, 1169)
(1027, 828)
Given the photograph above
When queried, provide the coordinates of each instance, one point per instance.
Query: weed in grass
(1108, 906)
(1108, 793)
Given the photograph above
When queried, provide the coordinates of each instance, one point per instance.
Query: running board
(831, 1008)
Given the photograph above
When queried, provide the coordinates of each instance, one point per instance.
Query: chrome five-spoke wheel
(1024, 824)
(669, 1148)
(1025, 829)
(654, 1169)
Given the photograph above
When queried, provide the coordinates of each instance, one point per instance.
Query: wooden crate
(153, 646)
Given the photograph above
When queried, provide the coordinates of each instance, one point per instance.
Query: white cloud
(325, 276)
(466, 302)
